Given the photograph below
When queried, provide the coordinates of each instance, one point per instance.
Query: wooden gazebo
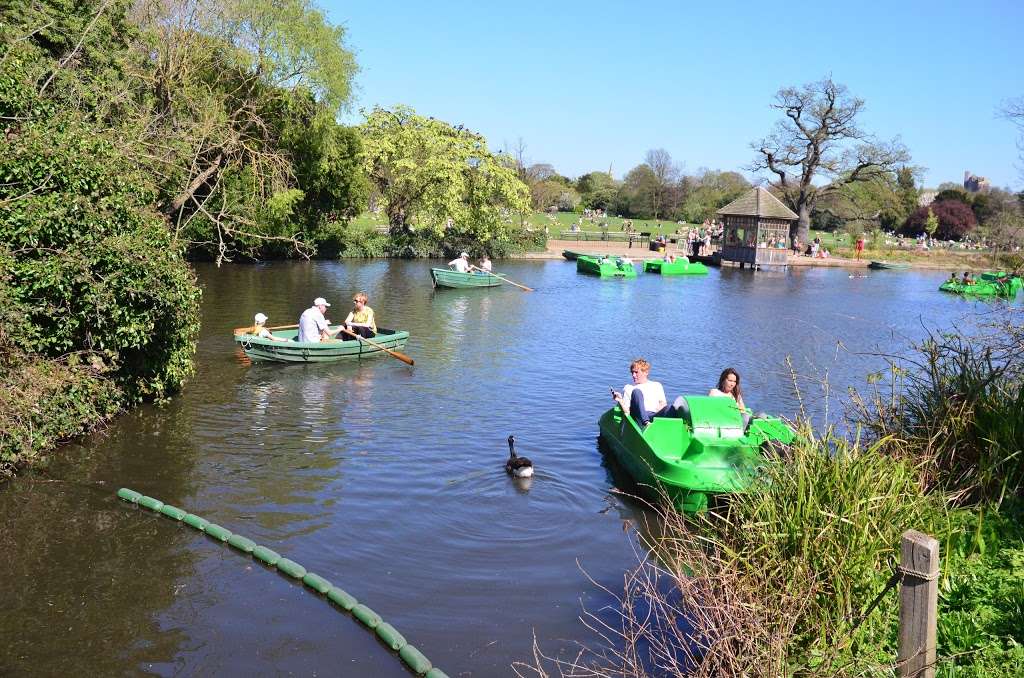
(756, 230)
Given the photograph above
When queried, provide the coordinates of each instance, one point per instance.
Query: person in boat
(670, 258)
(623, 262)
(968, 279)
(259, 328)
(729, 387)
(360, 320)
(461, 264)
(485, 264)
(953, 278)
(313, 326)
(605, 259)
(645, 399)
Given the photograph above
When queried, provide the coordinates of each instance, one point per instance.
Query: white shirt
(311, 322)
(654, 394)
(460, 265)
(486, 265)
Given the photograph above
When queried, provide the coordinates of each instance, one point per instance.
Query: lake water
(388, 480)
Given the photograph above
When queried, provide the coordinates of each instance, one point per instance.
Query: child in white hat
(262, 332)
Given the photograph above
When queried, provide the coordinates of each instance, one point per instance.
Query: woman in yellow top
(361, 321)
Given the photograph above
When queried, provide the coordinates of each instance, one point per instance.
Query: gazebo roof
(759, 202)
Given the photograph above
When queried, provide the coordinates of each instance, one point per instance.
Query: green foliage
(598, 190)
(931, 224)
(434, 177)
(708, 192)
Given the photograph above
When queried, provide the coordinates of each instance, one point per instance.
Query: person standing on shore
(860, 245)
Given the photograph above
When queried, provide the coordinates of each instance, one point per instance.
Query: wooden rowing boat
(889, 265)
(572, 255)
(318, 352)
(445, 277)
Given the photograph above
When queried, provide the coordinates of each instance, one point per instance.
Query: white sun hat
(261, 318)
(320, 301)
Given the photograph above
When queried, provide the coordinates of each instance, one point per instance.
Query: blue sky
(592, 85)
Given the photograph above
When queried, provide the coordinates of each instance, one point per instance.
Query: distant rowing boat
(445, 277)
(572, 255)
(890, 265)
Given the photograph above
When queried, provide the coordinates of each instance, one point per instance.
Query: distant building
(926, 197)
(976, 184)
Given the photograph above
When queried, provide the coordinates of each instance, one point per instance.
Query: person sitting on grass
(361, 321)
(645, 399)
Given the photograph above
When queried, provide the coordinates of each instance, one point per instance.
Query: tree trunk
(803, 224)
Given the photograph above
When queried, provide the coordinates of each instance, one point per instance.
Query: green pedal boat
(680, 266)
(707, 452)
(614, 268)
(990, 284)
(320, 352)
(445, 277)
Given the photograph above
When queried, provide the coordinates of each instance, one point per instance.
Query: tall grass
(955, 405)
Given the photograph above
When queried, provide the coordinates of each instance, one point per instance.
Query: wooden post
(919, 598)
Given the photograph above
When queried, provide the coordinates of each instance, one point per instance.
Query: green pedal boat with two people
(681, 266)
(268, 350)
(990, 284)
(605, 267)
(710, 450)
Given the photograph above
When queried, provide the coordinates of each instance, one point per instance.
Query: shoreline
(642, 253)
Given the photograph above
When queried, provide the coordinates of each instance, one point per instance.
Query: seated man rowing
(461, 264)
(645, 399)
(313, 326)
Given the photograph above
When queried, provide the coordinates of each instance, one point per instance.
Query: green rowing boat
(317, 352)
(572, 255)
(680, 266)
(445, 277)
(889, 265)
(611, 268)
(989, 284)
(706, 452)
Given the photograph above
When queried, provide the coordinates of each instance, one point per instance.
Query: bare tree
(819, 139)
(665, 173)
(1013, 110)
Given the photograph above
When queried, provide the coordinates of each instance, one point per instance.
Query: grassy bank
(777, 582)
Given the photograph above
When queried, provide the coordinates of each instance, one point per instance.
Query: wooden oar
(504, 279)
(394, 354)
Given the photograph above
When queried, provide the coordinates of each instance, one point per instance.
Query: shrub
(955, 220)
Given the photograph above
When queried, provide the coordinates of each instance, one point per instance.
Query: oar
(503, 279)
(394, 354)
(244, 330)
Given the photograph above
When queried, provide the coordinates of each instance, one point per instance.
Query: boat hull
(444, 277)
(572, 255)
(266, 350)
(690, 459)
(888, 265)
(681, 266)
(614, 269)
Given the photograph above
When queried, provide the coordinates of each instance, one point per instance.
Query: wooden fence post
(919, 599)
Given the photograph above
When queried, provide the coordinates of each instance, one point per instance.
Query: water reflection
(390, 481)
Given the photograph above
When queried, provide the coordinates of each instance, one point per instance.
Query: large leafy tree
(955, 220)
(708, 190)
(432, 175)
(818, 147)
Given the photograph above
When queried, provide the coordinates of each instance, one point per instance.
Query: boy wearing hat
(262, 332)
(313, 326)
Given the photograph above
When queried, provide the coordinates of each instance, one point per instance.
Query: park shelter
(756, 229)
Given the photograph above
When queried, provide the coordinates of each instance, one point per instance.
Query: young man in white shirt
(645, 399)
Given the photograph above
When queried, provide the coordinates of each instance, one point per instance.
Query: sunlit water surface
(389, 480)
